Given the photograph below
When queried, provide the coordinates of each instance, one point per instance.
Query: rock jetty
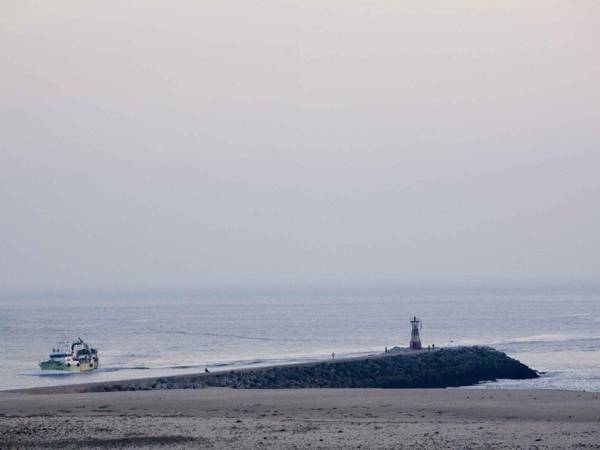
(442, 368)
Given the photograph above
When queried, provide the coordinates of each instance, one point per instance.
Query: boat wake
(48, 373)
(66, 373)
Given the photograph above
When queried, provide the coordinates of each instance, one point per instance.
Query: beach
(302, 418)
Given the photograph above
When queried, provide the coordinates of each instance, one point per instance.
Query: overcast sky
(150, 145)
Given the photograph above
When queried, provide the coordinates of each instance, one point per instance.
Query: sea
(557, 334)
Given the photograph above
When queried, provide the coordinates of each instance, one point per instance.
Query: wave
(538, 338)
(582, 343)
(241, 336)
(528, 339)
(66, 373)
(242, 363)
(49, 373)
(238, 364)
(218, 365)
(119, 368)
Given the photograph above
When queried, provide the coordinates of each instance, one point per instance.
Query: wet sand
(302, 418)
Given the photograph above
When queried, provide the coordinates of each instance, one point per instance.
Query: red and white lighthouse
(415, 339)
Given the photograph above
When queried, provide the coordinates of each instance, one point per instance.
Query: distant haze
(150, 145)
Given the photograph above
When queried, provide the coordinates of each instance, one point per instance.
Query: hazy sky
(161, 144)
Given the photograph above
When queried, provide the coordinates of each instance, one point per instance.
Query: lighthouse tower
(415, 339)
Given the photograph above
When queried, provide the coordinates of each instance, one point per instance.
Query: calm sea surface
(557, 334)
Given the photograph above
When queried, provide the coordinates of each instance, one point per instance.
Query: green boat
(80, 358)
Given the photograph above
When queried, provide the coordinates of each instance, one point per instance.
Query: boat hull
(69, 367)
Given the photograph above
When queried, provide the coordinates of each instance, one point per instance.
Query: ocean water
(558, 334)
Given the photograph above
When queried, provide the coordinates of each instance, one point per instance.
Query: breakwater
(442, 368)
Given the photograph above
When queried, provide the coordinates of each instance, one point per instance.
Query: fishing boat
(81, 358)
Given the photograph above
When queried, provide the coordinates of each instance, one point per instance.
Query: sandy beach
(302, 418)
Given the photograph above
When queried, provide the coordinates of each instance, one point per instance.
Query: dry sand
(303, 418)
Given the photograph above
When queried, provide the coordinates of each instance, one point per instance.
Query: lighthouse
(415, 339)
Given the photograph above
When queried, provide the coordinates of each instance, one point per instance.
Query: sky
(162, 145)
